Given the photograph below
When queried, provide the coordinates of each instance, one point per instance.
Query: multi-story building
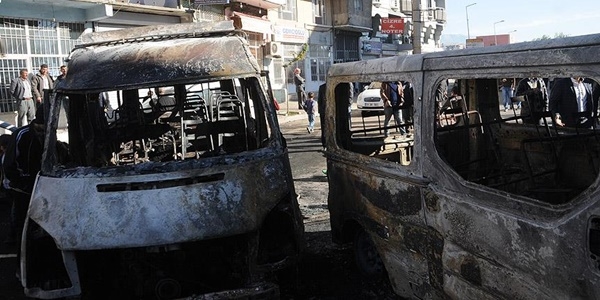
(423, 23)
(283, 34)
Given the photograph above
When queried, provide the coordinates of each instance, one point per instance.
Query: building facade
(283, 34)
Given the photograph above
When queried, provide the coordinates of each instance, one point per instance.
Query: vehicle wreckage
(179, 185)
(476, 201)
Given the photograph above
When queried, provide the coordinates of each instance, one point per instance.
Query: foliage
(557, 35)
(299, 56)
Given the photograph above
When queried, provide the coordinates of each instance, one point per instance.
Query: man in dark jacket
(299, 82)
(574, 102)
(41, 81)
(535, 95)
(21, 164)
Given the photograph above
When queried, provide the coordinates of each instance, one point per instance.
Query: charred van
(177, 181)
(469, 197)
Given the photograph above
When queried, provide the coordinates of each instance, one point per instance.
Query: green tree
(557, 35)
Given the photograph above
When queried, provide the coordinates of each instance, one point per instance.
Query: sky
(530, 18)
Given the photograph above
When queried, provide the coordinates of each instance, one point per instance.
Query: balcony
(347, 16)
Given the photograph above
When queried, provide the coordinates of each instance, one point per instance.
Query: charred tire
(366, 257)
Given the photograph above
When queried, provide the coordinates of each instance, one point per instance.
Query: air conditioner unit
(274, 49)
(377, 3)
(395, 5)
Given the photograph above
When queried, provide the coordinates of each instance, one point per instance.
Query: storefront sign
(474, 43)
(392, 25)
(370, 47)
(290, 34)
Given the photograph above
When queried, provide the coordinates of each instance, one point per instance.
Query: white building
(310, 35)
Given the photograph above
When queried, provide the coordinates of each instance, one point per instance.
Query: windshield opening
(162, 123)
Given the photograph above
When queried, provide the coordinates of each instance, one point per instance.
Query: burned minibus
(467, 199)
(177, 180)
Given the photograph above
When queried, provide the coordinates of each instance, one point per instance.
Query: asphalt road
(327, 270)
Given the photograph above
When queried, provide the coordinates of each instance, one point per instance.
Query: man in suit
(574, 102)
(21, 90)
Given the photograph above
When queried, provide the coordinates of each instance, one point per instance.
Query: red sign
(392, 25)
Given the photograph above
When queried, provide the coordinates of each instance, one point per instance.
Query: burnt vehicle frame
(191, 197)
(473, 203)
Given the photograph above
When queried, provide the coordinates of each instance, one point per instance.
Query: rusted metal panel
(157, 216)
(475, 241)
(108, 67)
(139, 33)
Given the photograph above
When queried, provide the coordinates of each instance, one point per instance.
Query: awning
(251, 23)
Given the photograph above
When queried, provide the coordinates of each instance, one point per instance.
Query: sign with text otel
(392, 25)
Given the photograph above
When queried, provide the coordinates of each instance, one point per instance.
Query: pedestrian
(507, 87)
(392, 94)
(41, 81)
(573, 102)
(299, 82)
(5, 140)
(536, 99)
(65, 101)
(311, 109)
(21, 163)
(21, 89)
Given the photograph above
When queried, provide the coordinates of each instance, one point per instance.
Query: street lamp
(467, 13)
(509, 36)
(496, 38)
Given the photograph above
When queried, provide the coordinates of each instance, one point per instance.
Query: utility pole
(467, 13)
(417, 26)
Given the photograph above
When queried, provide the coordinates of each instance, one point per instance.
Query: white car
(370, 99)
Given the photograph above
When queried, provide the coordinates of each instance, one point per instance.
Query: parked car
(370, 99)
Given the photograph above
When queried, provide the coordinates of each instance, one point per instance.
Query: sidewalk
(293, 113)
(289, 112)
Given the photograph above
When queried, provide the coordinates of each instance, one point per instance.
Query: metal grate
(9, 69)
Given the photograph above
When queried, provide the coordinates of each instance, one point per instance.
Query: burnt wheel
(367, 259)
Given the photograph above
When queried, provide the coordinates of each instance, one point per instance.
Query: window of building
(288, 10)
(358, 5)
(277, 71)
(68, 35)
(12, 33)
(43, 37)
(255, 41)
(319, 11)
(346, 49)
(209, 13)
(319, 62)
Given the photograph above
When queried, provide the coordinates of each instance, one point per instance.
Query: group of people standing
(28, 92)
(571, 101)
